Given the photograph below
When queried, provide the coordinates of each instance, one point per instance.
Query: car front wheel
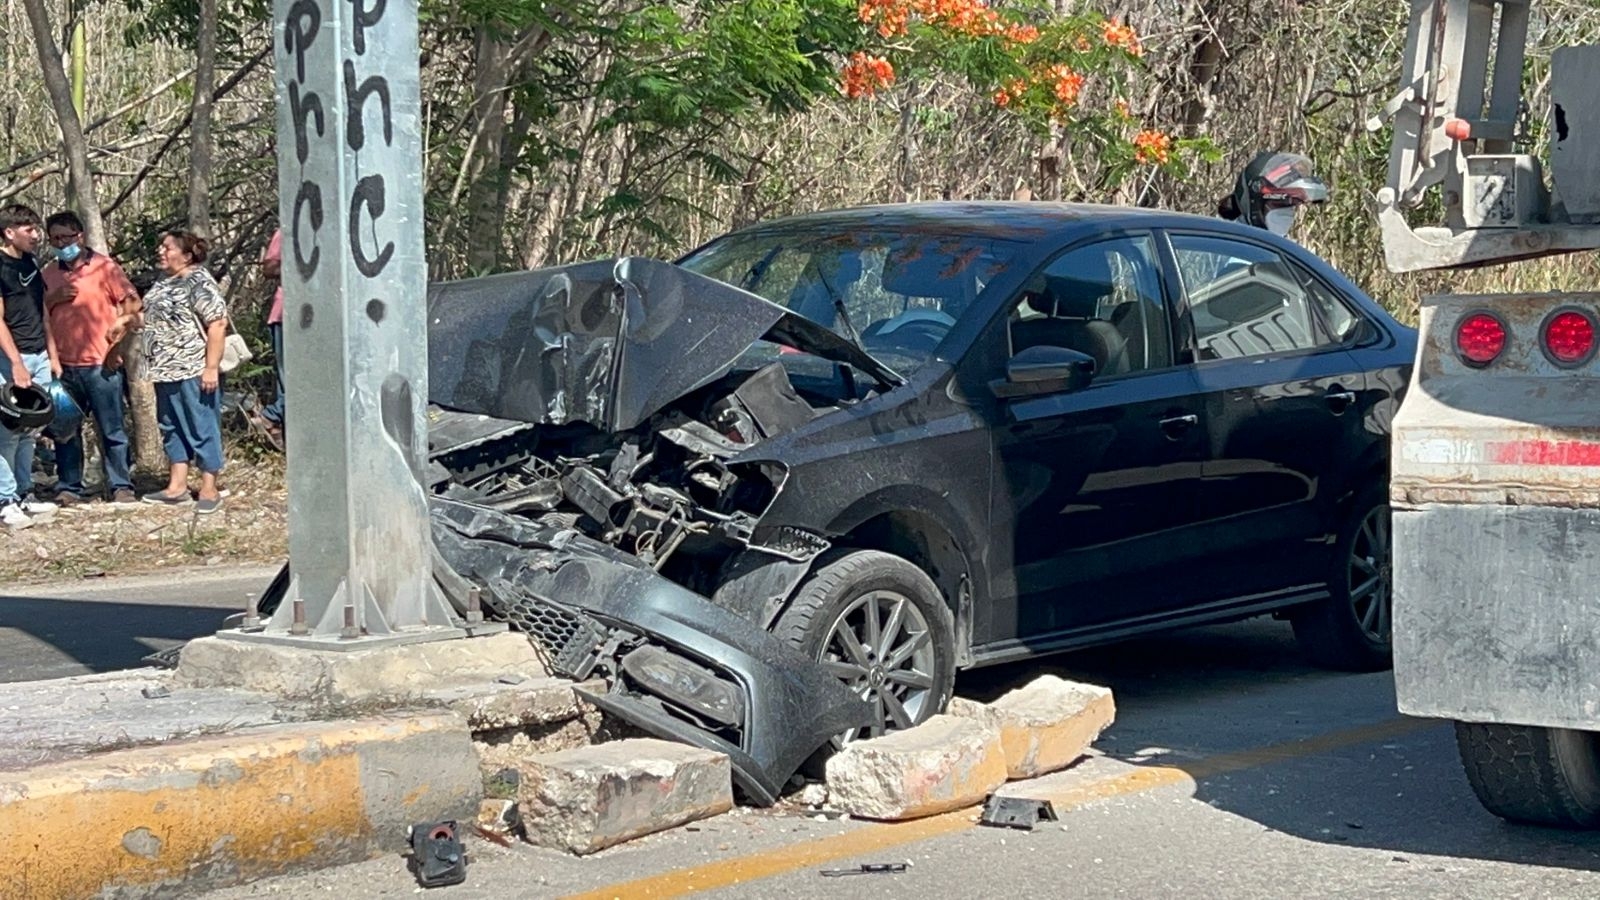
(880, 625)
(1351, 630)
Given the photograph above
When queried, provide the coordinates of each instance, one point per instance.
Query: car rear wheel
(880, 625)
(1352, 629)
(1540, 776)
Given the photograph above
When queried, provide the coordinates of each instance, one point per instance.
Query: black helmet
(1275, 180)
(25, 408)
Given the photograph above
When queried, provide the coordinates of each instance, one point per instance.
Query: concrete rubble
(1045, 725)
(587, 799)
(957, 759)
(946, 763)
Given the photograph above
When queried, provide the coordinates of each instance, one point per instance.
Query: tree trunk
(485, 221)
(80, 180)
(200, 149)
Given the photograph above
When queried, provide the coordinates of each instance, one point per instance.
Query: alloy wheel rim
(1372, 577)
(880, 645)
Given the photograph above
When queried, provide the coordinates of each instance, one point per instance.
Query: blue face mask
(68, 253)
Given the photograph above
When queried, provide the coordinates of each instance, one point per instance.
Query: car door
(1281, 396)
(1096, 485)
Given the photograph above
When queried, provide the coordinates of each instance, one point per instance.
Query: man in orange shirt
(91, 304)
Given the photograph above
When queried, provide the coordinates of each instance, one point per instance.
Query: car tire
(1533, 775)
(851, 596)
(1352, 629)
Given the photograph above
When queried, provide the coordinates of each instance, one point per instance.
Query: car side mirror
(1045, 370)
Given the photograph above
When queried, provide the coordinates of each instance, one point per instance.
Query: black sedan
(905, 440)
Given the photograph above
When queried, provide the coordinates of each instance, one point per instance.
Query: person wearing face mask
(91, 305)
(1271, 190)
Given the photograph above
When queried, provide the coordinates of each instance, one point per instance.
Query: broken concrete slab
(1045, 725)
(591, 798)
(492, 706)
(345, 678)
(946, 763)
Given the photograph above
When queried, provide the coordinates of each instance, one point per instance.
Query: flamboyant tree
(1064, 75)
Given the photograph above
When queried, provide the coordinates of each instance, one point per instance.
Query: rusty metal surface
(1521, 431)
(1495, 614)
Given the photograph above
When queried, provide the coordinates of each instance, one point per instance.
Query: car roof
(1026, 221)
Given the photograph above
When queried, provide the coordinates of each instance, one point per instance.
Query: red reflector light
(1569, 337)
(1480, 338)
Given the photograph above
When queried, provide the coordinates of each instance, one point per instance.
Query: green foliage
(173, 22)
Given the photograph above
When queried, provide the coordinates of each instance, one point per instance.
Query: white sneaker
(39, 509)
(13, 517)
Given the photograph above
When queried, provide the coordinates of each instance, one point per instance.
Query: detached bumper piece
(680, 666)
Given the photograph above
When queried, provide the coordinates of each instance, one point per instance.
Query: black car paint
(1205, 557)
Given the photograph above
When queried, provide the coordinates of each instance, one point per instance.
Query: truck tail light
(1569, 337)
(1480, 338)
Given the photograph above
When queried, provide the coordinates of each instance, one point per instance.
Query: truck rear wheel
(1540, 776)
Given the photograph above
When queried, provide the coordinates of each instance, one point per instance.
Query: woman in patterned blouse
(185, 323)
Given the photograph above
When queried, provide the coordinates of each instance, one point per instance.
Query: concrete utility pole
(355, 327)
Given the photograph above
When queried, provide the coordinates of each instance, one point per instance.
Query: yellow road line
(880, 836)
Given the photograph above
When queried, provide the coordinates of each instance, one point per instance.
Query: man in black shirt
(29, 357)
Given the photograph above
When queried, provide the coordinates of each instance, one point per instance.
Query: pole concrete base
(370, 674)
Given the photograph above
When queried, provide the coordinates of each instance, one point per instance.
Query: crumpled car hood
(608, 343)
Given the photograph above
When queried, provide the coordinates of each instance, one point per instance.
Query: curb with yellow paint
(225, 810)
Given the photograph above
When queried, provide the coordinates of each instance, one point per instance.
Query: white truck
(1495, 481)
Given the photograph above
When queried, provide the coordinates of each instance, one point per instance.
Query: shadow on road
(1218, 690)
(60, 637)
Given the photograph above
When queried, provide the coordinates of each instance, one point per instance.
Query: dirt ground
(97, 539)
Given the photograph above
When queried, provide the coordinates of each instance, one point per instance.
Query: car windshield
(899, 290)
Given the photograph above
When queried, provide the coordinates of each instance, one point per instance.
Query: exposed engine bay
(670, 492)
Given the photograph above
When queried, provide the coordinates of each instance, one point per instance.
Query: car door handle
(1176, 425)
(1340, 400)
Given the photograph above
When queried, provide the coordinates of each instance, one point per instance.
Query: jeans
(98, 392)
(273, 412)
(16, 449)
(191, 423)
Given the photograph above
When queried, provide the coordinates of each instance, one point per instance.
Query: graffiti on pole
(355, 336)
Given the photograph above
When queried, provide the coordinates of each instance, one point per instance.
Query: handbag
(235, 351)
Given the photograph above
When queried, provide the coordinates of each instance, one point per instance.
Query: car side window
(1249, 301)
(1103, 300)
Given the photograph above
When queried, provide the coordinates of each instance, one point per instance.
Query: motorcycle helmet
(25, 408)
(1274, 181)
(68, 415)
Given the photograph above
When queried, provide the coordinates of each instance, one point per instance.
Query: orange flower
(1083, 44)
(1067, 84)
(1120, 35)
(864, 75)
(1152, 147)
(1123, 109)
(1022, 34)
(1002, 98)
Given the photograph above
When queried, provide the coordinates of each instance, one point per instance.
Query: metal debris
(1016, 812)
(437, 857)
(867, 869)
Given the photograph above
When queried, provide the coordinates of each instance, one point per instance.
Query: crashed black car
(905, 440)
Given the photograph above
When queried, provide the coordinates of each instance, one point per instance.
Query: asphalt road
(1233, 770)
(102, 625)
